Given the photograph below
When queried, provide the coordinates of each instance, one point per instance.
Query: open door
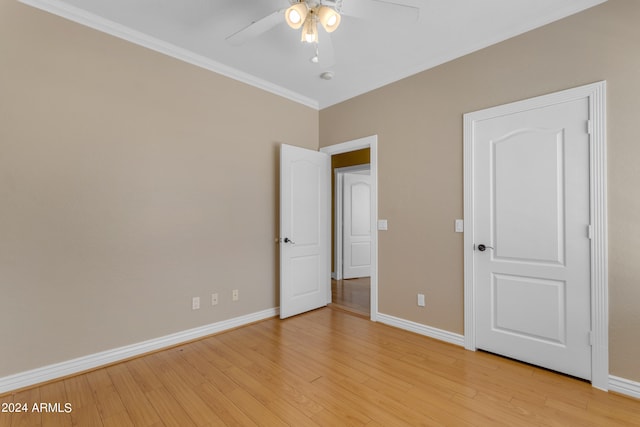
(305, 279)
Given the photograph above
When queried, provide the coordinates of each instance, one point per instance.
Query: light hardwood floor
(326, 368)
(353, 295)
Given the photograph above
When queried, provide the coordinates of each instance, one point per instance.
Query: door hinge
(589, 127)
(590, 231)
(591, 339)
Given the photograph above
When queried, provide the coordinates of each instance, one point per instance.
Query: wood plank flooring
(353, 295)
(323, 368)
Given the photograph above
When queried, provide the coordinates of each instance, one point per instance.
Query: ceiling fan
(307, 14)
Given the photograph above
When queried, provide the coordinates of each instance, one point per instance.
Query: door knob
(288, 240)
(483, 248)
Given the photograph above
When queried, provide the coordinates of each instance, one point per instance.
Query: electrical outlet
(235, 296)
(195, 303)
(421, 300)
(214, 299)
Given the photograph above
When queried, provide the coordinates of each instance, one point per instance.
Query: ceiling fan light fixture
(329, 18)
(296, 15)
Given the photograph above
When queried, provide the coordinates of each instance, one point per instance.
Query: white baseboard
(92, 361)
(624, 386)
(421, 329)
(81, 364)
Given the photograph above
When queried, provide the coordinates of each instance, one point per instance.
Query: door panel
(528, 176)
(532, 212)
(357, 226)
(304, 230)
(305, 202)
(516, 301)
(304, 276)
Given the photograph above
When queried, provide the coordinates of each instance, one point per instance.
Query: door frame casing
(596, 95)
(337, 197)
(370, 142)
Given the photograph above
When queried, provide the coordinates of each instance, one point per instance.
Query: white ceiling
(367, 52)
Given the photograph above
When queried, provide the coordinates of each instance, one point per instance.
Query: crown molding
(96, 22)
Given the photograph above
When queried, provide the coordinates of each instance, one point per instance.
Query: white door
(531, 196)
(305, 279)
(356, 225)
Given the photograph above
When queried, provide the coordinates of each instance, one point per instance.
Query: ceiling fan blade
(380, 10)
(256, 28)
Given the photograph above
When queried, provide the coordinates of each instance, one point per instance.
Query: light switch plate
(459, 226)
(421, 300)
(382, 224)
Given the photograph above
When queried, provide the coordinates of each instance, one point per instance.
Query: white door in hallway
(356, 225)
(531, 234)
(305, 269)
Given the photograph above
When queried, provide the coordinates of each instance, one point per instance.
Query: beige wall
(129, 182)
(419, 124)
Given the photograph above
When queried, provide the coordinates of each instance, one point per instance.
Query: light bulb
(309, 37)
(309, 31)
(294, 16)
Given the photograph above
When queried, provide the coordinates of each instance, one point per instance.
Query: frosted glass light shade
(329, 18)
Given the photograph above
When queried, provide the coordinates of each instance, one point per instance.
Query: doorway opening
(356, 291)
(351, 230)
